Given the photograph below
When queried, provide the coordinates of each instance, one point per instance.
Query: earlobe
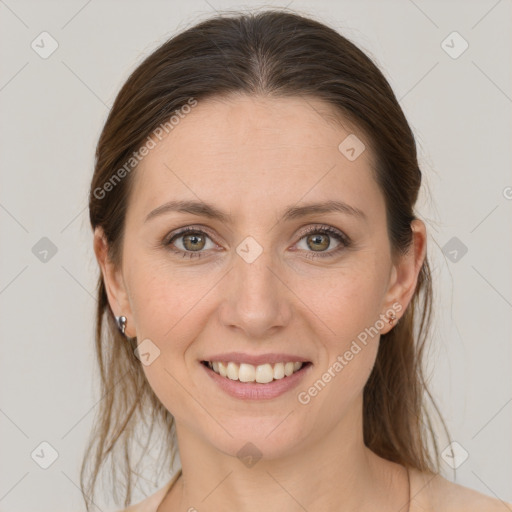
(112, 277)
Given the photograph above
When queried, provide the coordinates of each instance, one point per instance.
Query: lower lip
(255, 390)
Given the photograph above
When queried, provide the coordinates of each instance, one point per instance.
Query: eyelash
(328, 230)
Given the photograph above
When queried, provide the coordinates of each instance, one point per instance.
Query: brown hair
(275, 53)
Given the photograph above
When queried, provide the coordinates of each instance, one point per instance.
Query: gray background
(52, 112)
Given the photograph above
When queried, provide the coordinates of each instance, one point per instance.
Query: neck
(334, 473)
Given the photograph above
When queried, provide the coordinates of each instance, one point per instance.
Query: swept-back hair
(274, 53)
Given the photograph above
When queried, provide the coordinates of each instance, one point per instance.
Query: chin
(265, 438)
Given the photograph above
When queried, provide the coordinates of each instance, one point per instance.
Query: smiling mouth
(262, 374)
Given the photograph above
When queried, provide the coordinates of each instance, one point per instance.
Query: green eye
(194, 240)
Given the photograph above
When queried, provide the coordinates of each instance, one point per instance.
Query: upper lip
(255, 360)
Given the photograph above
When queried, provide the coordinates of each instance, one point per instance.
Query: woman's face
(259, 276)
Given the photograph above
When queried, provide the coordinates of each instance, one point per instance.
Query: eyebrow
(292, 212)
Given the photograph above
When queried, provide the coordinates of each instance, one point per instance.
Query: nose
(256, 301)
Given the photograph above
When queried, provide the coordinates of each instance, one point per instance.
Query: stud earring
(121, 324)
(391, 318)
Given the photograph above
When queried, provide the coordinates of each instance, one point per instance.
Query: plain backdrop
(458, 102)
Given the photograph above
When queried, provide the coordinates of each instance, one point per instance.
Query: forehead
(257, 151)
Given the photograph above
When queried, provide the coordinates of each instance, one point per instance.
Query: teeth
(222, 369)
(262, 373)
(232, 371)
(246, 373)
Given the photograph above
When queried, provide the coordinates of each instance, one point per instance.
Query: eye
(319, 239)
(191, 240)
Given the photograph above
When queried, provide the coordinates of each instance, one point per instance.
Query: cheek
(341, 384)
(350, 347)
(349, 306)
(167, 383)
(165, 298)
(348, 303)
(167, 307)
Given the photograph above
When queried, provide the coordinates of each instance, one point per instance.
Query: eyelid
(185, 230)
(345, 240)
(309, 229)
(326, 228)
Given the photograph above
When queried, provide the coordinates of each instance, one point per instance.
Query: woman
(264, 278)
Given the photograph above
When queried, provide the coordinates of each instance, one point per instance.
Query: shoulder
(436, 493)
(151, 503)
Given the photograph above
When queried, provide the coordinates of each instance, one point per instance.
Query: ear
(114, 283)
(405, 272)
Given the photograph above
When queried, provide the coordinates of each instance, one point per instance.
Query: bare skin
(252, 158)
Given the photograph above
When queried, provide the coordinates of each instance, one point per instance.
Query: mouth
(256, 374)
